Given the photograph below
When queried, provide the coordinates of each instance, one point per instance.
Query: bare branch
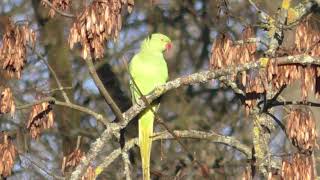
(211, 136)
(126, 162)
(116, 110)
(64, 94)
(97, 116)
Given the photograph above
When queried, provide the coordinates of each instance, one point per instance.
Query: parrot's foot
(153, 135)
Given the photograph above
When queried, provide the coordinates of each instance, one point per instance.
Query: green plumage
(148, 69)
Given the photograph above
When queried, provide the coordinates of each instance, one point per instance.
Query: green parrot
(148, 69)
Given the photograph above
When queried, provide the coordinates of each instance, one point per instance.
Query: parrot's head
(160, 42)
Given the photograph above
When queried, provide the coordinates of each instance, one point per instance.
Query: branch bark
(97, 116)
(188, 134)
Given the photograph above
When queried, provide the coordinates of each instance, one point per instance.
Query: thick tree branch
(126, 162)
(211, 136)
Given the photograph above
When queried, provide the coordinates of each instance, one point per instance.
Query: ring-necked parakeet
(148, 69)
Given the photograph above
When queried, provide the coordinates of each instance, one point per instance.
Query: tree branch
(116, 110)
(126, 162)
(192, 134)
(60, 87)
(97, 116)
(59, 11)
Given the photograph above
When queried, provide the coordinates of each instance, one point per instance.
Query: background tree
(242, 100)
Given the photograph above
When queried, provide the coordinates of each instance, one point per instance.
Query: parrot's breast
(148, 71)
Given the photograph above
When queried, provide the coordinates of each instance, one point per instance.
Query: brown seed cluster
(280, 75)
(100, 21)
(73, 159)
(246, 175)
(255, 85)
(6, 102)
(226, 53)
(307, 38)
(13, 49)
(300, 167)
(89, 174)
(41, 117)
(62, 5)
(7, 155)
(301, 129)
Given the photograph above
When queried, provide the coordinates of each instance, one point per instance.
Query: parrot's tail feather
(145, 141)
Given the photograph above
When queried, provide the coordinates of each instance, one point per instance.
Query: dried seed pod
(89, 174)
(248, 32)
(222, 52)
(73, 159)
(6, 102)
(99, 22)
(280, 75)
(307, 37)
(299, 167)
(7, 155)
(13, 49)
(246, 175)
(301, 129)
(41, 117)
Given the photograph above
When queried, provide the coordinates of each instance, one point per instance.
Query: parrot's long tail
(145, 141)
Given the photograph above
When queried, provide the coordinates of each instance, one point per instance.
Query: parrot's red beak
(168, 47)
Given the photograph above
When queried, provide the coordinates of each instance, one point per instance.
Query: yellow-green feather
(149, 69)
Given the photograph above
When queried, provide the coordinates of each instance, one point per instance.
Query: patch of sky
(226, 131)
(280, 138)
(198, 5)
(93, 122)
(34, 71)
(229, 95)
(263, 37)
(89, 85)
(53, 143)
(44, 152)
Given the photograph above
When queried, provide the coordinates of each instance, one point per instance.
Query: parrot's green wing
(148, 70)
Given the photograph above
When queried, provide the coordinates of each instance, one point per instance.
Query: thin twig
(286, 103)
(59, 11)
(264, 15)
(64, 94)
(57, 89)
(40, 168)
(97, 116)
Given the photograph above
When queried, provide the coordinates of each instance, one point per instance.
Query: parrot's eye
(162, 39)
